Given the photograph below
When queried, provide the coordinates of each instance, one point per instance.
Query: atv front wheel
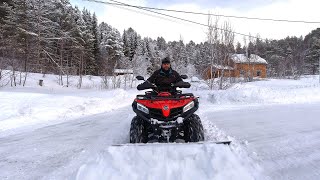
(138, 132)
(193, 129)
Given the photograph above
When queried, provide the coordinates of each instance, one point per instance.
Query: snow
(241, 58)
(285, 138)
(26, 108)
(169, 161)
(306, 90)
(222, 67)
(55, 132)
(195, 79)
(35, 105)
(127, 71)
(51, 82)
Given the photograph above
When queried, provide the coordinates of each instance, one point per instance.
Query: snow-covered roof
(241, 58)
(222, 67)
(125, 71)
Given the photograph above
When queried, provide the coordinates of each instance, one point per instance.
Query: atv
(165, 116)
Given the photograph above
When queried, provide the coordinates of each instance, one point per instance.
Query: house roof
(221, 67)
(242, 58)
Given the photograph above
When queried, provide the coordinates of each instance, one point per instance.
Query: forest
(53, 37)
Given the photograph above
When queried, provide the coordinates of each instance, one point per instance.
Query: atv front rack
(173, 97)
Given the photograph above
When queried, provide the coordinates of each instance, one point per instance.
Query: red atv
(165, 116)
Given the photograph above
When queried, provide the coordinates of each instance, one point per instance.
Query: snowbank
(169, 162)
(175, 161)
(27, 107)
(52, 81)
(306, 90)
(53, 103)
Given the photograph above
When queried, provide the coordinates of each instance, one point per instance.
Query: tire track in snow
(57, 151)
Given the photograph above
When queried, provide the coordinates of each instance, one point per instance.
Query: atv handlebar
(182, 84)
(148, 85)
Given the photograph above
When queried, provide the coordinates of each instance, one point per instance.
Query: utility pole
(319, 68)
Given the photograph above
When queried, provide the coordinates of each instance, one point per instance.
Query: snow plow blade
(155, 144)
(223, 142)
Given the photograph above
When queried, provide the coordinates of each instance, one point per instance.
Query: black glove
(146, 85)
(140, 86)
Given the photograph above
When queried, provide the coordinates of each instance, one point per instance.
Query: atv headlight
(189, 106)
(142, 108)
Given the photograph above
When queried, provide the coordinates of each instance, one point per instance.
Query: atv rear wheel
(193, 129)
(138, 131)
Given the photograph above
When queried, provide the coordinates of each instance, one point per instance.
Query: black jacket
(163, 79)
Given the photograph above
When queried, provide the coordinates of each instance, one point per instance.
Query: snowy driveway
(55, 151)
(285, 138)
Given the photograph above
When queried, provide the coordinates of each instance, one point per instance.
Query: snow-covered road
(56, 151)
(286, 138)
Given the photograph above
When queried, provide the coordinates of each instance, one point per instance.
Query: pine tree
(96, 53)
(77, 43)
(126, 48)
(140, 61)
(131, 39)
(239, 49)
(150, 56)
(64, 20)
(161, 44)
(88, 37)
(44, 30)
(111, 48)
(312, 43)
(18, 33)
(3, 10)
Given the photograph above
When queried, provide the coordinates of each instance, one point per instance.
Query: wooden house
(238, 65)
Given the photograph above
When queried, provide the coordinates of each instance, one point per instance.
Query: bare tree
(247, 73)
(213, 40)
(227, 40)
(253, 49)
(81, 68)
(2, 57)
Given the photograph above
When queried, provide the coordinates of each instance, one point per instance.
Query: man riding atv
(164, 77)
(165, 114)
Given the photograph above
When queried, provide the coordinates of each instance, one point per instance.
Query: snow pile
(196, 84)
(175, 161)
(195, 79)
(168, 161)
(34, 106)
(306, 90)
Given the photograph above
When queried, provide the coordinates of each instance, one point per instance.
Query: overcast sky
(150, 25)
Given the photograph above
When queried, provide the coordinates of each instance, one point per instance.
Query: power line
(182, 19)
(147, 14)
(218, 15)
